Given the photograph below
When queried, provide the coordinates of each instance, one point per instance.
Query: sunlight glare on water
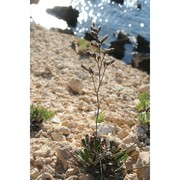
(132, 17)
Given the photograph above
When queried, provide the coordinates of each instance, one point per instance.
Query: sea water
(132, 18)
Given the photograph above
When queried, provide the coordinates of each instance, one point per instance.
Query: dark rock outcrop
(141, 62)
(66, 31)
(118, 1)
(68, 14)
(119, 46)
(34, 1)
(143, 46)
(138, 6)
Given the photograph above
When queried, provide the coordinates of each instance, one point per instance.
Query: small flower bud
(94, 29)
(91, 71)
(92, 54)
(94, 43)
(103, 39)
(84, 67)
(94, 33)
(107, 51)
(98, 57)
(99, 28)
(108, 63)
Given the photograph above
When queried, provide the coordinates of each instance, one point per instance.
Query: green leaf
(80, 155)
(100, 117)
(84, 142)
(111, 145)
(87, 153)
(96, 145)
(121, 156)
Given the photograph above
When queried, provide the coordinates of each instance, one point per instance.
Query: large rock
(143, 163)
(141, 62)
(118, 45)
(61, 162)
(143, 46)
(76, 85)
(68, 14)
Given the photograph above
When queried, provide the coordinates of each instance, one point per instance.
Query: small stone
(106, 128)
(55, 120)
(49, 169)
(34, 173)
(136, 102)
(110, 100)
(128, 163)
(76, 85)
(70, 137)
(46, 127)
(53, 164)
(38, 85)
(57, 137)
(134, 155)
(63, 130)
(72, 171)
(130, 139)
(31, 160)
(48, 160)
(44, 134)
(122, 133)
(54, 158)
(69, 124)
(144, 89)
(39, 162)
(38, 134)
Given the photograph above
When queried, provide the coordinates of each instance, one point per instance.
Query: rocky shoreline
(59, 83)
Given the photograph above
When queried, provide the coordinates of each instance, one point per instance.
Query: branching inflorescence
(101, 63)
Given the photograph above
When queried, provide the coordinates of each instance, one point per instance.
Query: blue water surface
(113, 17)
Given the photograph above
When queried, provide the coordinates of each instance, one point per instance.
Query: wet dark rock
(118, 1)
(141, 62)
(34, 1)
(118, 45)
(68, 14)
(143, 46)
(138, 6)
